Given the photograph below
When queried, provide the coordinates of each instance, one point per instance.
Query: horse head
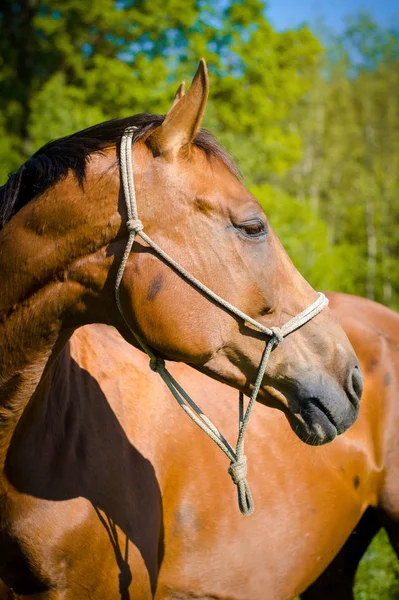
(69, 235)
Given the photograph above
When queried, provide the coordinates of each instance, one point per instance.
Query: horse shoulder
(373, 330)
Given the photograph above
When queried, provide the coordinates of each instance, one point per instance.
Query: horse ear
(179, 95)
(184, 118)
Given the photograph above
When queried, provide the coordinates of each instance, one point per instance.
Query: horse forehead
(205, 175)
(210, 179)
(211, 170)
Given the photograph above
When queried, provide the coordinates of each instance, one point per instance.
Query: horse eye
(252, 229)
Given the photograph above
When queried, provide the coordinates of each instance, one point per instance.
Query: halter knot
(278, 336)
(130, 130)
(238, 470)
(134, 225)
(157, 364)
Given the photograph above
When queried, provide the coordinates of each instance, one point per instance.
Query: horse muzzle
(318, 408)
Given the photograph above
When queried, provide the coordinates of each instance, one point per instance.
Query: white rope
(238, 461)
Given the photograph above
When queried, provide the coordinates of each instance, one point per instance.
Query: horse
(109, 453)
(65, 230)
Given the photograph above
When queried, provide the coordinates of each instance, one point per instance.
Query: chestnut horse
(62, 240)
(106, 454)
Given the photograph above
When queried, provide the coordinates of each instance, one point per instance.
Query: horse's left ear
(184, 118)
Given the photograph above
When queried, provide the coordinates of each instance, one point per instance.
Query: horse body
(64, 231)
(113, 491)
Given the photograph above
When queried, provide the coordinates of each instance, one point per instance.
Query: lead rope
(238, 460)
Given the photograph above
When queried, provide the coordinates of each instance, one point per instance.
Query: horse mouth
(320, 425)
(313, 425)
(311, 421)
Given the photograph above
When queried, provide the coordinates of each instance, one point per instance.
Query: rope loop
(277, 334)
(157, 364)
(245, 500)
(134, 225)
(238, 469)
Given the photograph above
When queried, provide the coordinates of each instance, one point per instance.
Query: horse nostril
(355, 386)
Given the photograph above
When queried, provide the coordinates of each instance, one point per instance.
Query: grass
(377, 577)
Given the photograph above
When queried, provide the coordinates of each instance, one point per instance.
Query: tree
(349, 125)
(68, 64)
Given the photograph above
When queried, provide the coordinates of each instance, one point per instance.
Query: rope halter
(276, 335)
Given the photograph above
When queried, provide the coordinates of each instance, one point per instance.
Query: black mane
(54, 160)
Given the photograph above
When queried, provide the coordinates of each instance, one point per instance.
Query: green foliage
(56, 108)
(67, 64)
(304, 236)
(349, 126)
(378, 575)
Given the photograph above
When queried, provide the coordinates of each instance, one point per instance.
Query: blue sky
(285, 14)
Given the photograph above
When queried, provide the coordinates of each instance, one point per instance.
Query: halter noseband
(238, 460)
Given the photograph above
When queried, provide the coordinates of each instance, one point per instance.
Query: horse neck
(51, 284)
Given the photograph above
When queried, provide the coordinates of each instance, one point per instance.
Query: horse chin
(313, 427)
